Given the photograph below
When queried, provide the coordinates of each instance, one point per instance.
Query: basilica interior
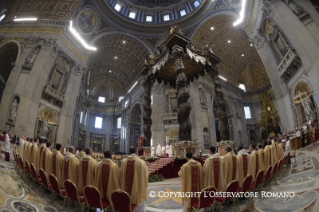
(111, 74)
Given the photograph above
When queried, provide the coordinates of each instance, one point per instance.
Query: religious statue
(31, 58)
(282, 44)
(294, 7)
(44, 130)
(309, 110)
(202, 97)
(14, 110)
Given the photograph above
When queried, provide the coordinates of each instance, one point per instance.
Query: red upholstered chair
(44, 181)
(34, 174)
(56, 189)
(258, 181)
(273, 173)
(234, 158)
(267, 176)
(232, 187)
(246, 186)
(72, 193)
(121, 201)
(27, 168)
(204, 200)
(20, 163)
(94, 198)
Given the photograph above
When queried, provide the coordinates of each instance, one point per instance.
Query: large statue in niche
(14, 110)
(202, 97)
(294, 7)
(31, 58)
(56, 79)
(310, 110)
(277, 40)
(44, 129)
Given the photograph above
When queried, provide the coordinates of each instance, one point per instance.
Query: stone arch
(135, 112)
(9, 54)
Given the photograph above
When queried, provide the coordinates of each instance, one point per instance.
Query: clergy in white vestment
(158, 150)
(163, 150)
(167, 150)
(287, 147)
(152, 151)
(241, 151)
(21, 147)
(170, 151)
(7, 146)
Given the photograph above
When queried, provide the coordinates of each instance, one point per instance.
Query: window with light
(119, 122)
(98, 122)
(196, 3)
(117, 7)
(132, 15)
(182, 12)
(149, 18)
(247, 112)
(166, 17)
(101, 99)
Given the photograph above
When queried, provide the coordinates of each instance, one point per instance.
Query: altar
(181, 149)
(222, 145)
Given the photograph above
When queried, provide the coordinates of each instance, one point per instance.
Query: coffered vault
(232, 46)
(120, 58)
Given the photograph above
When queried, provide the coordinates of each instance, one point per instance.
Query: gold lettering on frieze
(59, 32)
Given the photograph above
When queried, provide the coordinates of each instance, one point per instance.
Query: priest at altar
(70, 168)
(212, 167)
(229, 165)
(243, 165)
(86, 170)
(134, 179)
(57, 163)
(192, 178)
(158, 150)
(107, 176)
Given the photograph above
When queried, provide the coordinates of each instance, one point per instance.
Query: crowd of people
(228, 167)
(106, 176)
(132, 175)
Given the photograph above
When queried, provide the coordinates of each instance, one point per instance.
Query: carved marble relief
(46, 124)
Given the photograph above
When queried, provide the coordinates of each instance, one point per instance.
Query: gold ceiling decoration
(254, 76)
(49, 115)
(120, 57)
(42, 9)
(230, 53)
(107, 87)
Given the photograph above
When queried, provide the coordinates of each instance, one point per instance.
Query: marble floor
(301, 177)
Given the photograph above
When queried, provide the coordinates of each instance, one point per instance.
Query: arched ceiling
(233, 63)
(8, 55)
(119, 57)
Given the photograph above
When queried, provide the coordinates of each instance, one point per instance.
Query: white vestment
(163, 150)
(21, 148)
(287, 147)
(167, 149)
(7, 143)
(158, 150)
(242, 152)
(152, 151)
(170, 151)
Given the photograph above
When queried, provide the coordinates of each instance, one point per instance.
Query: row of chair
(120, 200)
(272, 173)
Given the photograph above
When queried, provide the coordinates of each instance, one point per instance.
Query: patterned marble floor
(302, 177)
